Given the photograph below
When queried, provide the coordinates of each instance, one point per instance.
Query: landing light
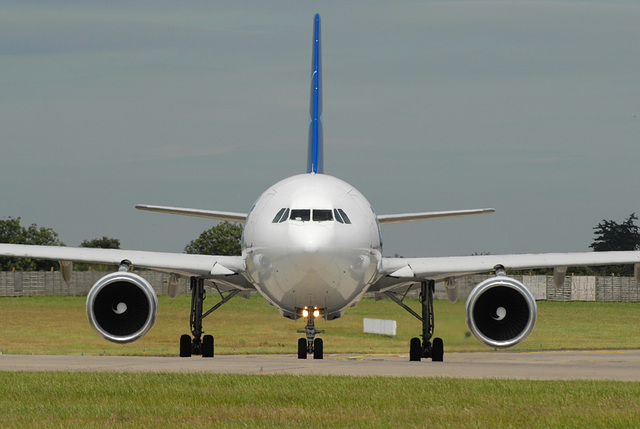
(307, 312)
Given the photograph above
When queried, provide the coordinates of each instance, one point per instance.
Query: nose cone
(311, 247)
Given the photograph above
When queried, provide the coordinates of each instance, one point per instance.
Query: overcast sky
(532, 108)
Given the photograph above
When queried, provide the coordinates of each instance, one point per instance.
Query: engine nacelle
(122, 307)
(501, 312)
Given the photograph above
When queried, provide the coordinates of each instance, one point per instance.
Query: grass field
(58, 325)
(209, 400)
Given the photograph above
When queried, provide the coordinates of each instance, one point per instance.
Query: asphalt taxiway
(545, 365)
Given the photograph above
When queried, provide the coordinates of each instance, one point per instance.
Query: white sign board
(379, 326)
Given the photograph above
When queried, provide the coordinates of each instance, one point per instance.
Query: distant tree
(12, 232)
(99, 243)
(223, 239)
(102, 243)
(612, 236)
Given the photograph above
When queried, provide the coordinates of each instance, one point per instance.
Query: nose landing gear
(310, 344)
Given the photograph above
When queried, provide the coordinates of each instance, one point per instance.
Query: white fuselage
(312, 241)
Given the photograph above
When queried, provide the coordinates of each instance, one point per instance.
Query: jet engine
(122, 307)
(501, 312)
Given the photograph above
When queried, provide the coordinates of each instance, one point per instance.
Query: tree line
(224, 239)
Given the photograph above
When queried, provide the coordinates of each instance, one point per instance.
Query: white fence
(34, 283)
(575, 288)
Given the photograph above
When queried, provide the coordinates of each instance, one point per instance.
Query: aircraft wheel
(302, 348)
(437, 350)
(207, 346)
(185, 346)
(318, 348)
(415, 350)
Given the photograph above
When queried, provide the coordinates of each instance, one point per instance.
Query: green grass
(58, 325)
(206, 400)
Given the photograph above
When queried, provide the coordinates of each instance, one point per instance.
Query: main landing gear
(311, 344)
(425, 348)
(200, 345)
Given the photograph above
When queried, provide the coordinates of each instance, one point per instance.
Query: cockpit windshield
(301, 214)
(322, 215)
(316, 215)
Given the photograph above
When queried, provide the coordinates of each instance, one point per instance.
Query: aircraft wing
(227, 269)
(208, 214)
(411, 217)
(398, 272)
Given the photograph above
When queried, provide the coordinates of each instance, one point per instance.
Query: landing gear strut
(311, 344)
(425, 348)
(200, 345)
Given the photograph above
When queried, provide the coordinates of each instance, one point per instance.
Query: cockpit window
(278, 216)
(337, 215)
(320, 215)
(344, 216)
(285, 216)
(301, 214)
(341, 216)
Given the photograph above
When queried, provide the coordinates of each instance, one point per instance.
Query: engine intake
(122, 307)
(501, 312)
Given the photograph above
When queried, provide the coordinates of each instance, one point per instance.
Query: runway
(621, 365)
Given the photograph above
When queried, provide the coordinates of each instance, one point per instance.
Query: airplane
(312, 246)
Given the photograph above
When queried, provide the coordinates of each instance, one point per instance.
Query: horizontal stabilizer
(208, 214)
(412, 217)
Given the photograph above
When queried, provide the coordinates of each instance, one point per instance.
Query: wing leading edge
(228, 268)
(412, 217)
(208, 214)
(439, 268)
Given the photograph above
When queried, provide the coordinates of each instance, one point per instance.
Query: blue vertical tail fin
(315, 159)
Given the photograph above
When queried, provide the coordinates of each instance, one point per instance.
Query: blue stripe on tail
(315, 159)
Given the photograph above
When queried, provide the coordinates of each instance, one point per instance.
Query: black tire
(437, 350)
(318, 346)
(207, 346)
(185, 346)
(302, 348)
(415, 350)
